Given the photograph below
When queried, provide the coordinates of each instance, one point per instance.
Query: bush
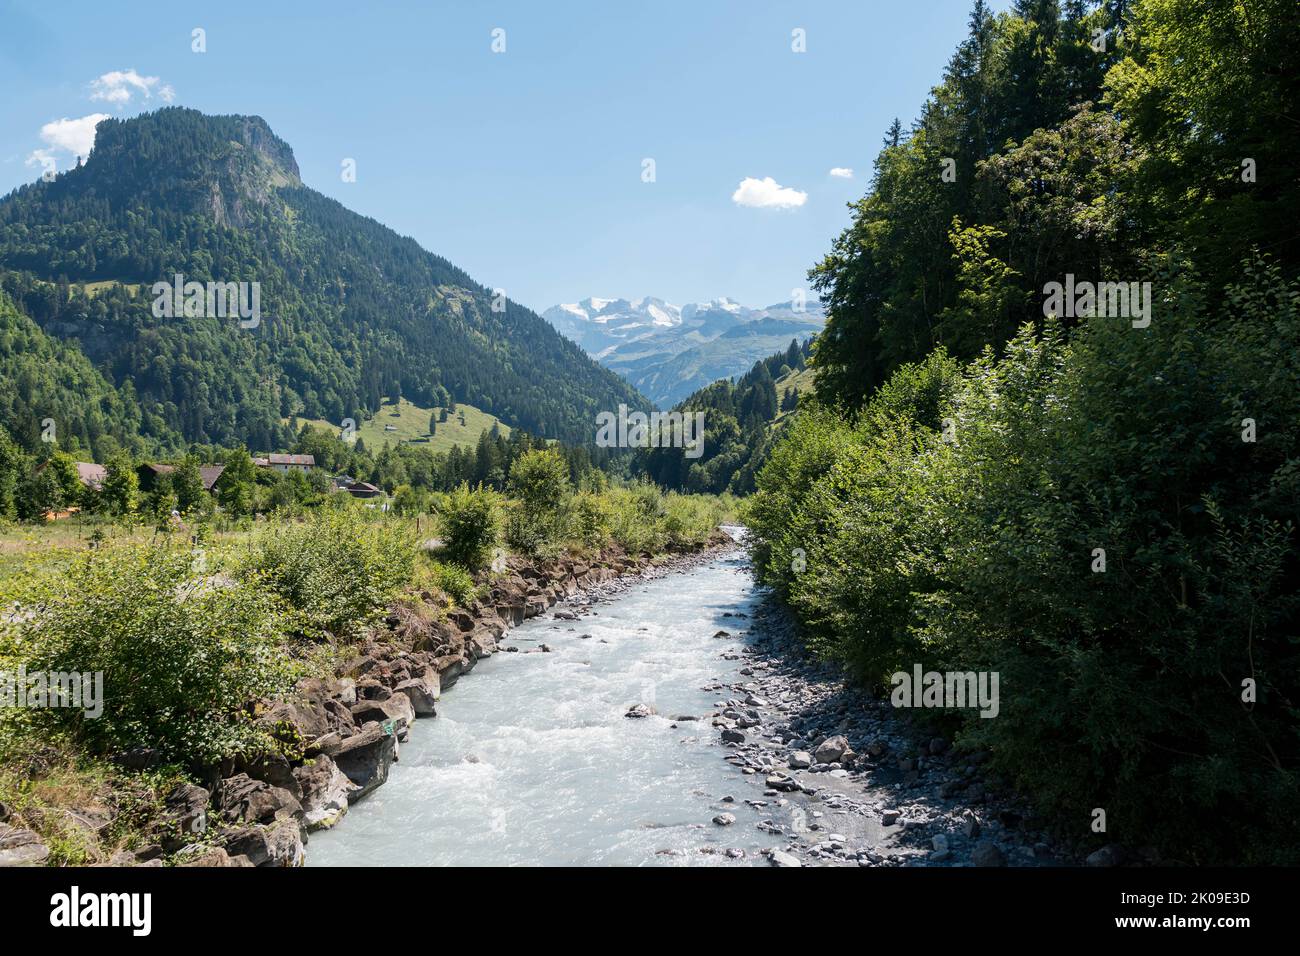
(690, 520)
(589, 518)
(337, 570)
(900, 540)
(638, 511)
(471, 525)
(454, 581)
(539, 483)
(180, 656)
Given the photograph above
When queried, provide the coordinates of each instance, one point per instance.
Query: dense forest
(352, 313)
(740, 420)
(1101, 508)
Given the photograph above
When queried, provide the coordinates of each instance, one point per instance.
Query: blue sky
(523, 167)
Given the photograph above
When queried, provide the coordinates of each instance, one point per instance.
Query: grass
(801, 381)
(410, 424)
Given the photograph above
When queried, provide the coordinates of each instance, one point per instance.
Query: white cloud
(766, 193)
(119, 86)
(842, 172)
(76, 137)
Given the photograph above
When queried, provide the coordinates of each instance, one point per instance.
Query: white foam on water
(532, 762)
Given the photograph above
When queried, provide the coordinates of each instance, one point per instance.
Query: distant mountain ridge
(352, 313)
(668, 352)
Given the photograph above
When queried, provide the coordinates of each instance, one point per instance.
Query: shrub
(180, 656)
(337, 570)
(589, 518)
(976, 548)
(471, 525)
(454, 581)
(539, 483)
(638, 510)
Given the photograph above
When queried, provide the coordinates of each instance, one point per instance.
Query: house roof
(91, 475)
(210, 474)
(277, 459)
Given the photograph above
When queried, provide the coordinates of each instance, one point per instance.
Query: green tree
(120, 492)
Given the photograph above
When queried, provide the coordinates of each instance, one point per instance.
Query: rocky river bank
(848, 781)
(822, 774)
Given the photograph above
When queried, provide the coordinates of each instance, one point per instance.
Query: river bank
(870, 787)
(601, 753)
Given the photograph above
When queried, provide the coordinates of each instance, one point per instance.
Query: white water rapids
(531, 760)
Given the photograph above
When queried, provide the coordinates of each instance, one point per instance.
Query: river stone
(800, 760)
(831, 749)
(781, 858)
(725, 819)
(986, 853)
(730, 736)
(638, 711)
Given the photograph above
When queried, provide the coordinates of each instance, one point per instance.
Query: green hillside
(404, 422)
(350, 312)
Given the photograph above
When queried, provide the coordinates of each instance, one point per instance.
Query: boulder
(271, 768)
(481, 644)
(187, 811)
(284, 845)
(986, 853)
(241, 799)
(449, 668)
(730, 736)
(800, 760)
(1107, 856)
(831, 749)
(20, 847)
(640, 710)
(277, 845)
(397, 709)
(196, 854)
(422, 692)
(365, 758)
(325, 791)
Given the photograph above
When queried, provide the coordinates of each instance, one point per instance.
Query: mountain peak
(669, 351)
(181, 158)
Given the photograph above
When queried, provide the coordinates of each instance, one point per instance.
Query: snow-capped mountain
(668, 351)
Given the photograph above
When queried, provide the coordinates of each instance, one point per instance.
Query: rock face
(21, 847)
